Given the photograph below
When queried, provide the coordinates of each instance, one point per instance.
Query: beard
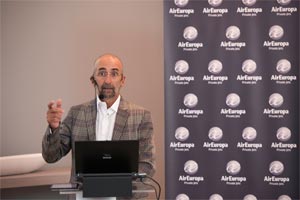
(107, 91)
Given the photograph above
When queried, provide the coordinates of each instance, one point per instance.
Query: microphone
(139, 175)
(92, 79)
(101, 96)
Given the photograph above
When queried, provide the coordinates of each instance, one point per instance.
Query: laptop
(94, 158)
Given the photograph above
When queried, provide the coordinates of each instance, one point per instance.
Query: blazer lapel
(121, 120)
(91, 114)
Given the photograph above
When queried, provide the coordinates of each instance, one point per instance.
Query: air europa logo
(249, 197)
(284, 11)
(249, 67)
(181, 68)
(249, 135)
(284, 2)
(215, 3)
(249, 2)
(190, 34)
(232, 33)
(284, 197)
(215, 68)
(233, 168)
(190, 101)
(180, 11)
(276, 100)
(213, 11)
(215, 134)
(181, 3)
(181, 135)
(190, 168)
(283, 135)
(232, 100)
(249, 12)
(276, 33)
(283, 67)
(182, 197)
(276, 168)
(215, 197)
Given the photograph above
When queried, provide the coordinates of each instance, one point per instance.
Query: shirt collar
(101, 105)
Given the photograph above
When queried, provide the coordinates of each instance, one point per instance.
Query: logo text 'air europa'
(232, 34)
(284, 9)
(190, 33)
(190, 101)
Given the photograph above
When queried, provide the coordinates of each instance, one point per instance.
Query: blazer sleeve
(147, 150)
(57, 144)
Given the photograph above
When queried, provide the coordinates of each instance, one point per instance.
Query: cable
(152, 187)
(79, 184)
(143, 176)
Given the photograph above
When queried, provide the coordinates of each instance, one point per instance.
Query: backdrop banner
(231, 99)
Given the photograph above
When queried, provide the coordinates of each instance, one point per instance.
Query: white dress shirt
(106, 118)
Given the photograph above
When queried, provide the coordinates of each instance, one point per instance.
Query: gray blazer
(132, 123)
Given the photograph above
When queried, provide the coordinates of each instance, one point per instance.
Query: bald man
(107, 117)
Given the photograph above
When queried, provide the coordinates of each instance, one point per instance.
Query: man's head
(108, 77)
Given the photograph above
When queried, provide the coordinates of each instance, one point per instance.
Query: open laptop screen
(106, 157)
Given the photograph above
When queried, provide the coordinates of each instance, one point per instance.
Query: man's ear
(123, 80)
(93, 81)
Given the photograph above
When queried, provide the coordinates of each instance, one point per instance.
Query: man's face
(109, 77)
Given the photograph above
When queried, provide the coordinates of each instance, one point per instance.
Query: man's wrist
(52, 130)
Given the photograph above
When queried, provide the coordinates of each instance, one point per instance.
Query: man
(108, 117)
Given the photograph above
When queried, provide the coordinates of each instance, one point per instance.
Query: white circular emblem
(182, 197)
(215, 197)
(181, 3)
(249, 134)
(283, 66)
(249, 66)
(233, 100)
(276, 32)
(182, 134)
(284, 197)
(249, 2)
(181, 67)
(276, 168)
(190, 100)
(283, 134)
(250, 197)
(233, 33)
(190, 167)
(233, 167)
(215, 134)
(215, 3)
(276, 100)
(190, 33)
(283, 2)
(215, 66)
